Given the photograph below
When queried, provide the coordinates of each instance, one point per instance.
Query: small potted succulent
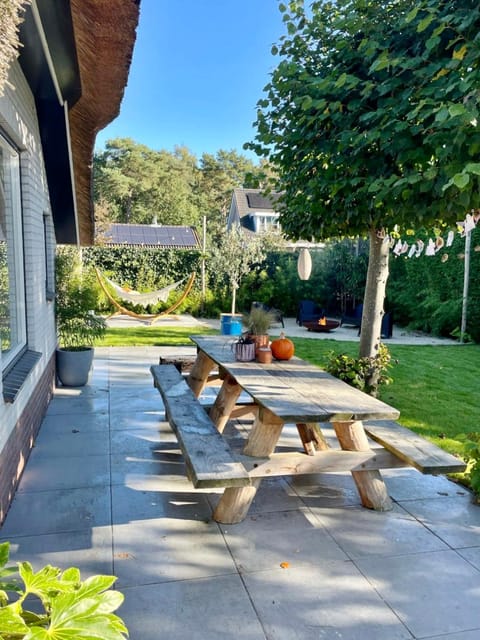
(77, 325)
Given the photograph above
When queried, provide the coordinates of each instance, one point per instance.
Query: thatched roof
(104, 36)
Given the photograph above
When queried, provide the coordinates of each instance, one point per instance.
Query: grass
(435, 388)
(150, 336)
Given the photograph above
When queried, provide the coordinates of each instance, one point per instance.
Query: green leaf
(307, 103)
(4, 553)
(411, 15)
(461, 180)
(11, 622)
(456, 110)
(425, 23)
(473, 167)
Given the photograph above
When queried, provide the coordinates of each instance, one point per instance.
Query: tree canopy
(136, 184)
(371, 121)
(370, 118)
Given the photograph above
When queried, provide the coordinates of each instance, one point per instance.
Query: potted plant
(77, 325)
(257, 323)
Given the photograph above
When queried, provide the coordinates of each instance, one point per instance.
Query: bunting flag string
(434, 245)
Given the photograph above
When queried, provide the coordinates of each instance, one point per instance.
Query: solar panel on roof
(166, 236)
(257, 201)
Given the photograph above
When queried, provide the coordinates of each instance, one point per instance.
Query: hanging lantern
(304, 264)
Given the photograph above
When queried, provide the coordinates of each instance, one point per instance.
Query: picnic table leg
(225, 402)
(312, 438)
(235, 501)
(198, 376)
(371, 487)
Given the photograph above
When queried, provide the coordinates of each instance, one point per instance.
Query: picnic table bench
(295, 392)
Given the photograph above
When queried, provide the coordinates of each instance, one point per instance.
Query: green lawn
(435, 388)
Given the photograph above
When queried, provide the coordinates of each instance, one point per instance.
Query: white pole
(466, 277)
(204, 249)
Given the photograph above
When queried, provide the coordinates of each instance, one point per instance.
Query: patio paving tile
(331, 601)
(68, 422)
(133, 503)
(169, 549)
(47, 473)
(454, 519)
(63, 510)
(361, 532)
(265, 541)
(90, 550)
(432, 593)
(213, 608)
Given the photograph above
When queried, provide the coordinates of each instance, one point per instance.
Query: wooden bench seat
(412, 448)
(209, 460)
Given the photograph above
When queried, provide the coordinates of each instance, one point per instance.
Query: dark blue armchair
(309, 311)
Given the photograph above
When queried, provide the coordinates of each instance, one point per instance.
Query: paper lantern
(304, 265)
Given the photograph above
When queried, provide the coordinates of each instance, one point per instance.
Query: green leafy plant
(472, 455)
(366, 374)
(60, 605)
(76, 296)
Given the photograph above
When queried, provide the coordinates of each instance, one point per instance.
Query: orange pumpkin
(282, 348)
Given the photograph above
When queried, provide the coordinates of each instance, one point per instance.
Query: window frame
(11, 170)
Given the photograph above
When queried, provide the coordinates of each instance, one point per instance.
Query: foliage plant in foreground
(366, 374)
(70, 609)
(472, 454)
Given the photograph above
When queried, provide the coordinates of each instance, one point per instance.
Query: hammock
(152, 297)
(143, 298)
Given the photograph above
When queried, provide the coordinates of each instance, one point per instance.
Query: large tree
(140, 185)
(370, 120)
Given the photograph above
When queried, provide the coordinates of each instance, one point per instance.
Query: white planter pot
(73, 367)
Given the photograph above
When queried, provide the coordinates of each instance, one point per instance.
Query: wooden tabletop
(295, 390)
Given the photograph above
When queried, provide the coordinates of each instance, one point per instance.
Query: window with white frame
(12, 284)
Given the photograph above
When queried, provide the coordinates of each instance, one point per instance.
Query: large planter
(73, 366)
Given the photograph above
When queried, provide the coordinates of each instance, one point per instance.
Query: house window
(49, 255)
(12, 284)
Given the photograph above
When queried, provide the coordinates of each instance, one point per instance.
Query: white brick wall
(18, 122)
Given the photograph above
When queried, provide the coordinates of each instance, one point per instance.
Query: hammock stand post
(145, 316)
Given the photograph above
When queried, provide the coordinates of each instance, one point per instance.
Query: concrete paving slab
(213, 608)
(59, 423)
(413, 573)
(361, 532)
(47, 473)
(133, 503)
(169, 549)
(432, 593)
(331, 601)
(456, 520)
(90, 550)
(265, 541)
(62, 510)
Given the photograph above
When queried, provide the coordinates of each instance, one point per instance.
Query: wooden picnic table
(297, 392)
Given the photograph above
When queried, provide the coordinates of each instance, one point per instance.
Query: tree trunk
(377, 276)
(234, 298)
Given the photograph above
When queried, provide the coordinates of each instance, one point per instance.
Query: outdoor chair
(309, 311)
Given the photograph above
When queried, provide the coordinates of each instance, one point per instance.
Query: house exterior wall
(20, 419)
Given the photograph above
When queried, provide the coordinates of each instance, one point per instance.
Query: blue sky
(198, 70)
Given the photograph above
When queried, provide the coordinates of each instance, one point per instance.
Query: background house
(65, 86)
(253, 211)
(257, 213)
